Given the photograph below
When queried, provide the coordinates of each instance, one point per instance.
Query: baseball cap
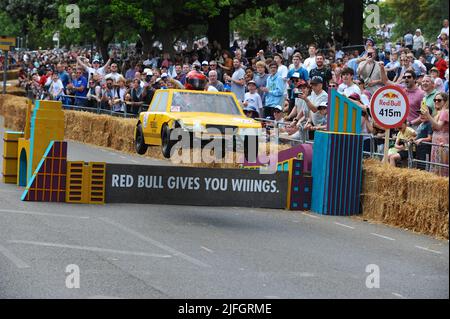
(250, 109)
(205, 63)
(148, 71)
(196, 63)
(251, 82)
(355, 96)
(316, 80)
(323, 105)
(295, 75)
(96, 60)
(164, 75)
(418, 30)
(277, 108)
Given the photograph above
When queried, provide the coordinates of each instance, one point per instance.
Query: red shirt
(43, 80)
(441, 65)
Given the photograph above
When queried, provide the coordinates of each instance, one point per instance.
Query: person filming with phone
(370, 71)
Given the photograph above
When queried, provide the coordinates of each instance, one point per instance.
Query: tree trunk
(219, 28)
(352, 31)
(147, 39)
(166, 39)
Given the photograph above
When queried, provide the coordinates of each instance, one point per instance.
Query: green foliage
(424, 14)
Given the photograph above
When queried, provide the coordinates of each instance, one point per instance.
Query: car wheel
(251, 148)
(166, 143)
(139, 142)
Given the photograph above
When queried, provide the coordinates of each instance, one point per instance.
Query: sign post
(6, 43)
(389, 108)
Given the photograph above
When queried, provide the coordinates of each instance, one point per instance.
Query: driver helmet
(195, 81)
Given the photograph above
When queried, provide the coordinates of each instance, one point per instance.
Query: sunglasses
(437, 100)
(333, 86)
(407, 77)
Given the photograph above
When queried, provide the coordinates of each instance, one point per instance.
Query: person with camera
(370, 71)
(148, 89)
(399, 152)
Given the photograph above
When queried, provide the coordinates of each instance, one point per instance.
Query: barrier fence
(372, 153)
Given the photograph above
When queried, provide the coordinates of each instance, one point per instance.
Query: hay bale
(13, 108)
(406, 198)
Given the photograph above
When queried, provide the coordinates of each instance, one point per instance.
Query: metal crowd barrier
(412, 162)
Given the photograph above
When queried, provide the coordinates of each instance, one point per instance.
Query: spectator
(94, 93)
(439, 153)
(179, 75)
(392, 67)
(205, 67)
(320, 124)
(409, 40)
(56, 88)
(438, 83)
(79, 87)
(400, 150)
(415, 96)
(348, 87)
(318, 96)
(444, 27)
(310, 62)
(274, 90)
(252, 98)
(424, 134)
(322, 71)
(260, 78)
(119, 93)
(95, 69)
(418, 42)
(213, 81)
(429, 91)
(107, 94)
(237, 80)
(227, 65)
(418, 67)
(440, 64)
(114, 74)
(134, 98)
(370, 71)
(213, 67)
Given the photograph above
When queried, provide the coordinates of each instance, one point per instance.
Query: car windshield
(198, 102)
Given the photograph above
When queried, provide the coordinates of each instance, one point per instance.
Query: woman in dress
(439, 153)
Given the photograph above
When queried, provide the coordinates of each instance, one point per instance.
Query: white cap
(278, 107)
(205, 63)
(147, 71)
(418, 30)
(164, 75)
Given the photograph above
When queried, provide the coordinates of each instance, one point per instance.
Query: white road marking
(398, 295)
(155, 243)
(13, 258)
(430, 250)
(104, 250)
(207, 249)
(10, 211)
(309, 215)
(382, 236)
(343, 225)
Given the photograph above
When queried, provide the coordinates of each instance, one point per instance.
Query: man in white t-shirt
(444, 28)
(282, 71)
(95, 69)
(310, 63)
(347, 87)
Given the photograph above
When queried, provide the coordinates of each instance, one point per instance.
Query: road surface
(156, 251)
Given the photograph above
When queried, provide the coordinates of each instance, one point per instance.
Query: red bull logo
(390, 99)
(390, 96)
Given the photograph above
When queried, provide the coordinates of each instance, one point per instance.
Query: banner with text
(194, 186)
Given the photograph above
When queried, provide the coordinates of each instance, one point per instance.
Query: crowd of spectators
(288, 85)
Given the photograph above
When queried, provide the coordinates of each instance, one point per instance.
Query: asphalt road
(155, 251)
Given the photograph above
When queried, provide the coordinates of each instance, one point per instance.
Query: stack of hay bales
(406, 198)
(13, 109)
